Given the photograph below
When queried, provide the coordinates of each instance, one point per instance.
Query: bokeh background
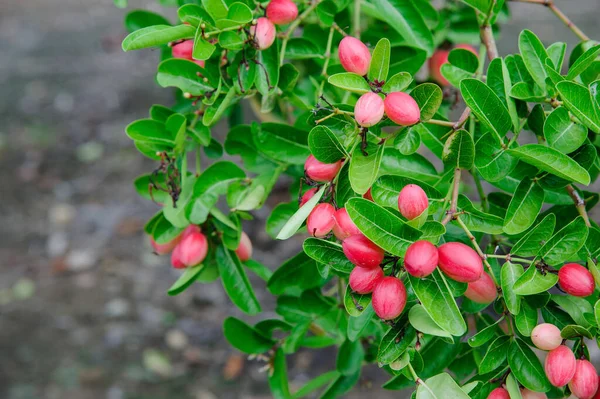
(83, 307)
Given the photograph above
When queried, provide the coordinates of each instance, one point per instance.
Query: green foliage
(529, 128)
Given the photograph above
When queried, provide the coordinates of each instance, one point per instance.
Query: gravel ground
(83, 310)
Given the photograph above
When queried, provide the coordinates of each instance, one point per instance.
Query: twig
(293, 27)
(487, 39)
(480, 190)
(454, 202)
(440, 122)
(579, 204)
(476, 246)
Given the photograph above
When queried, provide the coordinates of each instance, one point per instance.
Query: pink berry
(191, 251)
(244, 249)
(263, 33)
(402, 109)
(560, 366)
(482, 290)
(546, 336)
(307, 196)
(368, 110)
(363, 280)
(362, 252)
(460, 262)
(320, 221)
(421, 258)
(354, 55)
(200, 62)
(439, 58)
(192, 228)
(527, 394)
(344, 226)
(162, 249)
(368, 195)
(282, 12)
(412, 201)
(499, 393)
(183, 50)
(319, 171)
(585, 381)
(389, 298)
(576, 280)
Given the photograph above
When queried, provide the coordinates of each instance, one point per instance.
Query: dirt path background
(83, 310)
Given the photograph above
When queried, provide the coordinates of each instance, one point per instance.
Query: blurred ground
(83, 309)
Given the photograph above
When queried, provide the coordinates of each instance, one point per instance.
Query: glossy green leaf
(459, 150)
(509, 274)
(498, 79)
(576, 308)
(350, 357)
(562, 133)
(552, 161)
(186, 279)
(183, 74)
(524, 207)
(328, 253)
(150, 131)
(299, 271)
(380, 61)
(578, 99)
(483, 6)
(245, 338)
(421, 321)
(194, 15)
(156, 35)
(279, 217)
(381, 226)
(236, 282)
(484, 335)
(395, 341)
(278, 379)
(531, 243)
(282, 142)
(216, 8)
(486, 105)
(583, 62)
(340, 386)
(408, 142)
(492, 160)
(534, 56)
(350, 82)
(495, 355)
(574, 331)
(533, 282)
(440, 386)
(477, 220)
(512, 386)
(324, 145)
(565, 243)
(356, 325)
(429, 98)
(365, 169)
(526, 367)
(355, 303)
(398, 82)
(315, 384)
(527, 319)
(434, 294)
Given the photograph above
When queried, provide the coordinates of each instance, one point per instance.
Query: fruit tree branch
(476, 246)
(579, 204)
(454, 202)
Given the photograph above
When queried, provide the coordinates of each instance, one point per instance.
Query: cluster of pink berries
(439, 58)
(458, 261)
(184, 50)
(278, 12)
(560, 366)
(370, 108)
(190, 247)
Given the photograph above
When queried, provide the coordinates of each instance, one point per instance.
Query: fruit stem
(579, 204)
(479, 251)
(439, 122)
(293, 26)
(480, 190)
(454, 202)
(509, 258)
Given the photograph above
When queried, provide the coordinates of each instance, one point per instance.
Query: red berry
(546, 336)
(244, 249)
(354, 55)
(460, 262)
(363, 280)
(421, 258)
(307, 196)
(412, 201)
(320, 221)
(192, 228)
(402, 109)
(162, 249)
(527, 394)
(576, 280)
(282, 12)
(439, 58)
(585, 381)
(389, 298)
(482, 290)
(183, 50)
(499, 393)
(319, 171)
(362, 252)
(368, 110)
(560, 366)
(200, 62)
(368, 195)
(191, 251)
(344, 226)
(263, 33)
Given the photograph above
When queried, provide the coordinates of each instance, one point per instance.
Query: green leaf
(524, 207)
(415, 166)
(533, 282)
(498, 79)
(282, 142)
(531, 243)
(534, 56)
(527, 319)
(278, 379)
(495, 355)
(243, 197)
(267, 77)
(156, 35)
(464, 59)
(565, 243)
(385, 190)
(328, 253)
(408, 142)
(406, 19)
(486, 105)
(245, 338)
(297, 272)
(578, 99)
(236, 282)
(340, 386)
(552, 161)
(290, 228)
(186, 279)
(380, 61)
(526, 367)
(355, 303)
(149, 131)
(477, 220)
(459, 150)
(202, 48)
(216, 8)
(421, 321)
(356, 325)
(183, 74)
(381, 226)
(562, 133)
(324, 145)
(493, 161)
(583, 62)
(350, 82)
(350, 357)
(315, 384)
(194, 15)
(429, 98)
(395, 341)
(398, 82)
(279, 217)
(575, 307)
(482, 6)
(574, 331)
(512, 386)
(509, 274)
(556, 55)
(435, 296)
(442, 386)
(365, 169)
(484, 335)
(240, 13)
(299, 48)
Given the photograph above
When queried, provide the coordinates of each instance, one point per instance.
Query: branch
(487, 39)
(579, 204)
(454, 202)
(476, 246)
